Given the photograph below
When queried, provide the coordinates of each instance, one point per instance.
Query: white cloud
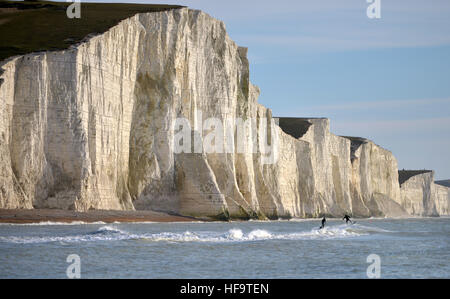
(380, 104)
(393, 126)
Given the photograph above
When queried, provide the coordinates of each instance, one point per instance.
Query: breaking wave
(110, 233)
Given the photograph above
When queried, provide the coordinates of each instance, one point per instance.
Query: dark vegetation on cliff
(355, 143)
(294, 126)
(31, 26)
(445, 183)
(404, 175)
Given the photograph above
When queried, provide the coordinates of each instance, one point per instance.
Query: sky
(385, 79)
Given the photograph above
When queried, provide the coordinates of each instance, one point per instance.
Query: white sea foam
(236, 233)
(108, 228)
(105, 233)
(112, 233)
(259, 234)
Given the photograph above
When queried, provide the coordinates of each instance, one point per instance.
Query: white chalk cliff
(420, 196)
(91, 127)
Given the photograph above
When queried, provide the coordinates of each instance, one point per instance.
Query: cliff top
(32, 26)
(404, 175)
(295, 127)
(445, 183)
(355, 143)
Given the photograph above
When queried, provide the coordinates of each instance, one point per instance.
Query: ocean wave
(112, 233)
(108, 229)
(105, 233)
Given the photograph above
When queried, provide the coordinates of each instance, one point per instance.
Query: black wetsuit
(323, 223)
(347, 219)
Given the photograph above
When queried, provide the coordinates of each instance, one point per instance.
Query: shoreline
(17, 216)
(36, 216)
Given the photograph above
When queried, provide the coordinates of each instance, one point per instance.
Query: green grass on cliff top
(32, 26)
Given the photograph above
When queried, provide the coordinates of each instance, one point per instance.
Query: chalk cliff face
(340, 175)
(375, 181)
(441, 197)
(420, 196)
(92, 127)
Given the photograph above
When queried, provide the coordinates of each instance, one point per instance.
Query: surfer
(323, 222)
(347, 219)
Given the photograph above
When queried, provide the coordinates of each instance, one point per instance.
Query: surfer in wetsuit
(347, 219)
(323, 222)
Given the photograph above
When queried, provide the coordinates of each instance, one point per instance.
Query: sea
(367, 249)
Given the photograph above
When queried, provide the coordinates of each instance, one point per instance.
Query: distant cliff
(338, 175)
(445, 183)
(92, 127)
(421, 196)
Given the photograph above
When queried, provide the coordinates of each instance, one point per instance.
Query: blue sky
(384, 79)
